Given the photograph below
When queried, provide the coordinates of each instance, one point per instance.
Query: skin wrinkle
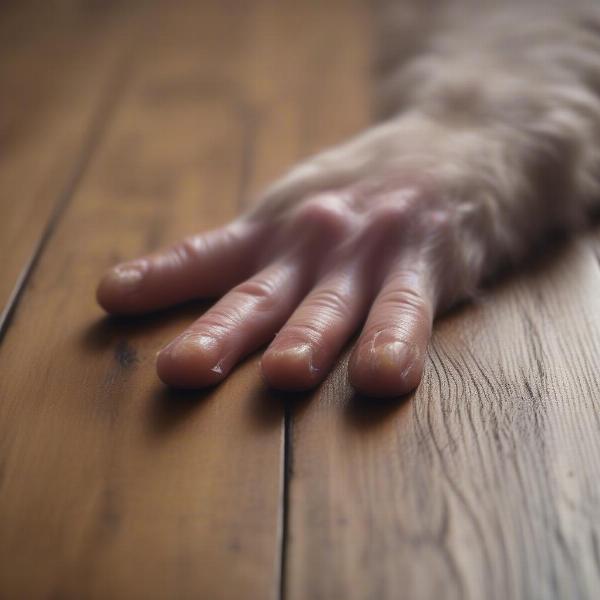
(491, 140)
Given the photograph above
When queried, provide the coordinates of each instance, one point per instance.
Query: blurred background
(172, 90)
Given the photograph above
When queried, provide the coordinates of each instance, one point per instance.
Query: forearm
(500, 105)
(492, 116)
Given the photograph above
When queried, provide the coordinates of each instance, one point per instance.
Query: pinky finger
(389, 354)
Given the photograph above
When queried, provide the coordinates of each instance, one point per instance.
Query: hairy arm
(502, 105)
(489, 140)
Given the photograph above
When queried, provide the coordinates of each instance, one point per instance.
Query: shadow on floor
(109, 330)
(170, 407)
(364, 414)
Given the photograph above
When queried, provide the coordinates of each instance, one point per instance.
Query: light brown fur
(496, 115)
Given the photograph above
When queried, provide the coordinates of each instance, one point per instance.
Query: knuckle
(410, 221)
(187, 249)
(303, 332)
(391, 216)
(439, 219)
(220, 320)
(321, 311)
(255, 295)
(328, 303)
(260, 292)
(199, 245)
(405, 300)
(256, 288)
(436, 223)
(325, 214)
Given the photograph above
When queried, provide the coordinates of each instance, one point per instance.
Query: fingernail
(388, 356)
(185, 345)
(301, 354)
(391, 355)
(127, 276)
(193, 361)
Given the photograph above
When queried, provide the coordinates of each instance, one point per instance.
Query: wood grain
(112, 488)
(60, 63)
(304, 92)
(484, 483)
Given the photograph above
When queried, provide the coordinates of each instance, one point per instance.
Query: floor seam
(98, 127)
(285, 499)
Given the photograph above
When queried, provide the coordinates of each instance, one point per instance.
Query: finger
(204, 265)
(305, 349)
(245, 319)
(389, 355)
(331, 169)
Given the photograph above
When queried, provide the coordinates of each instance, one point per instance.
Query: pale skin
(375, 237)
(303, 282)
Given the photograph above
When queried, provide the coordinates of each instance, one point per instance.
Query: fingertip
(290, 368)
(390, 369)
(119, 288)
(191, 361)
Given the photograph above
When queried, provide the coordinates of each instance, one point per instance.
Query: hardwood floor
(126, 125)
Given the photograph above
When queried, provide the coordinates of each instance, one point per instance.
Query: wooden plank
(482, 485)
(111, 487)
(59, 64)
(304, 70)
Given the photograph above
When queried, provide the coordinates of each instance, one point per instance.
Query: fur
(495, 111)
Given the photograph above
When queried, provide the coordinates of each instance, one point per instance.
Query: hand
(358, 232)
